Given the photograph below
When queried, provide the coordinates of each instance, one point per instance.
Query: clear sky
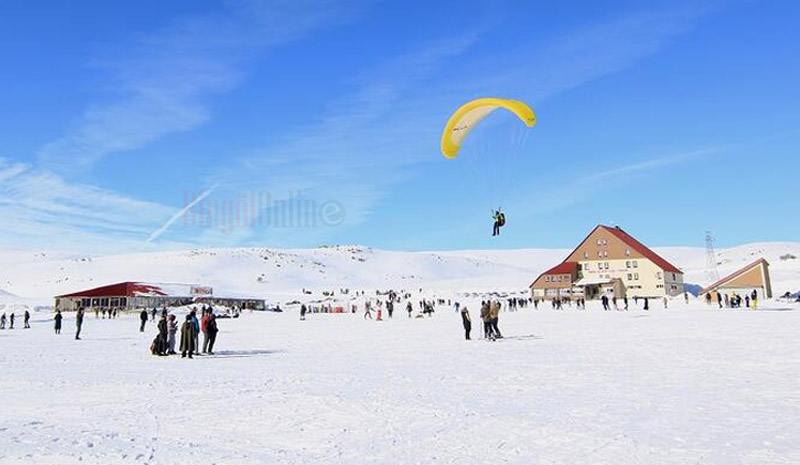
(667, 118)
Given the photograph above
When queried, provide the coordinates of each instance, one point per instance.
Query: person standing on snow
(303, 310)
(3, 321)
(172, 328)
(161, 347)
(204, 328)
(467, 321)
(212, 330)
(188, 337)
(409, 308)
(57, 319)
(646, 304)
(487, 321)
(27, 319)
(494, 313)
(78, 323)
(367, 310)
(196, 324)
(143, 318)
(11, 321)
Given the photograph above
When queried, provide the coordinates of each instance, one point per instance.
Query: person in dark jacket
(161, 347)
(11, 320)
(143, 318)
(467, 321)
(188, 336)
(646, 303)
(303, 310)
(78, 324)
(27, 319)
(212, 330)
(58, 319)
(196, 324)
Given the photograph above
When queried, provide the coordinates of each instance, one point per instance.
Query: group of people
(165, 341)
(490, 316)
(735, 300)
(10, 320)
(111, 312)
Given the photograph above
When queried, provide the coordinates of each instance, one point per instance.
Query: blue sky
(668, 118)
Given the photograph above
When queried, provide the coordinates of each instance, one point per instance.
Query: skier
(188, 337)
(57, 319)
(143, 317)
(467, 321)
(27, 319)
(78, 324)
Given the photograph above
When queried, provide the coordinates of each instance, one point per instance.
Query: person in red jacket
(204, 328)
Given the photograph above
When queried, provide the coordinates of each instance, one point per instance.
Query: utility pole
(712, 274)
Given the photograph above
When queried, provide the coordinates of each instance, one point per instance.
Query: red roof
(128, 289)
(562, 268)
(642, 249)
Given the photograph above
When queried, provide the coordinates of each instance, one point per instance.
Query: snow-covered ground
(280, 275)
(686, 385)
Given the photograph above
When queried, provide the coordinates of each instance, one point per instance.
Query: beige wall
(609, 248)
(640, 276)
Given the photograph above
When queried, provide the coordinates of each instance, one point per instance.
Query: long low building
(610, 262)
(138, 295)
(753, 277)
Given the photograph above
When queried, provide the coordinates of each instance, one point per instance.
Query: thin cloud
(166, 82)
(158, 232)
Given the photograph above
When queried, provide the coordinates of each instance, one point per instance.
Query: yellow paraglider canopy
(471, 113)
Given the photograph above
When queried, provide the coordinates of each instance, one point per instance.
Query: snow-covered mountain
(262, 271)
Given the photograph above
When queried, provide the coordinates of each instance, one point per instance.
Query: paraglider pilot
(499, 221)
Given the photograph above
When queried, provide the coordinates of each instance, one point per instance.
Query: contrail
(158, 232)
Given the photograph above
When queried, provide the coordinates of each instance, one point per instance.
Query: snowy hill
(262, 271)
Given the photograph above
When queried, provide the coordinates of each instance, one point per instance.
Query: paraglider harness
(501, 219)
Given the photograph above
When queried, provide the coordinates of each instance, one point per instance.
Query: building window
(635, 264)
(585, 254)
(658, 275)
(547, 279)
(636, 276)
(605, 265)
(674, 278)
(630, 277)
(628, 264)
(599, 266)
(628, 252)
(580, 267)
(605, 253)
(599, 241)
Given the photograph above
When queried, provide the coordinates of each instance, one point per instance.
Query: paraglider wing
(471, 113)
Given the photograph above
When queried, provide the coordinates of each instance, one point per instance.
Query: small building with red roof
(133, 295)
(611, 262)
